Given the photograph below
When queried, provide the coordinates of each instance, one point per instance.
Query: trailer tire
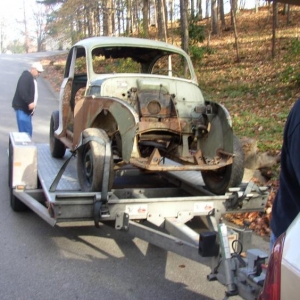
(91, 160)
(219, 181)
(57, 148)
(15, 203)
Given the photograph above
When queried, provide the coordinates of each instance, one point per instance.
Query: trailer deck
(161, 208)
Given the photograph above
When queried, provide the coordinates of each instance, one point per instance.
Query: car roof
(105, 41)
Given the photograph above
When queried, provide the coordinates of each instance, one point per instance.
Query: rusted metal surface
(169, 124)
(155, 163)
(93, 112)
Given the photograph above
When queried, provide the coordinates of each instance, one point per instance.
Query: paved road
(69, 262)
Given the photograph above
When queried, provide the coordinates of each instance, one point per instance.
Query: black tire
(218, 182)
(57, 148)
(15, 203)
(90, 162)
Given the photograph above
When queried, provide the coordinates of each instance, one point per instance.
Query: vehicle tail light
(271, 289)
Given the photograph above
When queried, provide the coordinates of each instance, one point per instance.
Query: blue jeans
(24, 121)
(273, 238)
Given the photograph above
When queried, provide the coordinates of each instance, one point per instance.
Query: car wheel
(219, 181)
(91, 160)
(57, 148)
(15, 203)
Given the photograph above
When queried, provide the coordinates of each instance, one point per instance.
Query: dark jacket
(286, 205)
(24, 94)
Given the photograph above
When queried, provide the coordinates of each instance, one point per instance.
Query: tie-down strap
(106, 169)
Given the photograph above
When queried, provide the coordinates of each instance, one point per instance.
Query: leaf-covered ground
(258, 91)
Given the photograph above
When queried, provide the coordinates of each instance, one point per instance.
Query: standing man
(286, 205)
(26, 96)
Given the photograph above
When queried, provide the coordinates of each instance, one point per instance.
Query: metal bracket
(185, 216)
(122, 221)
(156, 219)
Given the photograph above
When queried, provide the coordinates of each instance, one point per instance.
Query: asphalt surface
(80, 261)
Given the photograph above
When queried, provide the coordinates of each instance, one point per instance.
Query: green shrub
(295, 47)
(196, 32)
(196, 53)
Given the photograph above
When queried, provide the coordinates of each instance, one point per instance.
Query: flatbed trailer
(164, 209)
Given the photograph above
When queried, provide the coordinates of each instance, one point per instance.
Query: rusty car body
(141, 97)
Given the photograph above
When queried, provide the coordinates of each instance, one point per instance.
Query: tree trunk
(288, 15)
(110, 17)
(26, 35)
(171, 10)
(222, 15)
(192, 9)
(235, 32)
(165, 18)
(233, 4)
(161, 20)
(207, 9)
(275, 13)
(214, 17)
(256, 6)
(184, 26)
(199, 10)
(128, 17)
(275, 10)
(119, 17)
(136, 19)
(145, 18)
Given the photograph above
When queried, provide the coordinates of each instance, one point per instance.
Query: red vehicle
(283, 275)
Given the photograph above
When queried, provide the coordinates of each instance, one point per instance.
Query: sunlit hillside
(258, 91)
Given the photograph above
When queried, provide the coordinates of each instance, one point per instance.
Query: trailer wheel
(219, 181)
(90, 162)
(15, 203)
(57, 148)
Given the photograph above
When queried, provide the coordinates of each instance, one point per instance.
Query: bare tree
(287, 12)
(275, 20)
(129, 28)
(256, 6)
(107, 17)
(26, 33)
(222, 14)
(214, 17)
(171, 14)
(40, 17)
(199, 10)
(184, 25)
(145, 18)
(233, 18)
(207, 9)
(275, 13)
(192, 9)
(2, 34)
(162, 34)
